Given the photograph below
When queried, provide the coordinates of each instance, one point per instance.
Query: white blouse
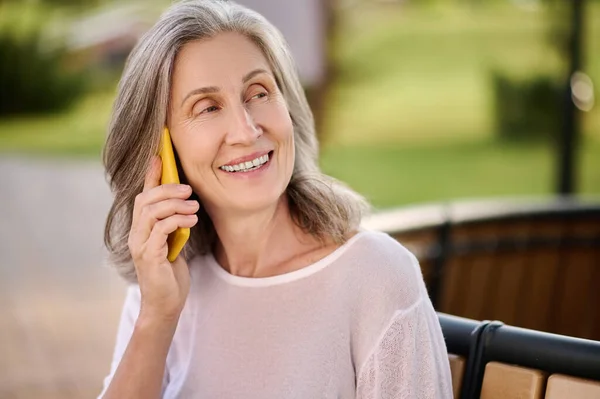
(356, 324)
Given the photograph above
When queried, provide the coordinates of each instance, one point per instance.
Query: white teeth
(247, 166)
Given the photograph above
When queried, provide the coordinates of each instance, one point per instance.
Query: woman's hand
(158, 211)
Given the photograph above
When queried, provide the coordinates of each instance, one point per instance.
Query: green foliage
(33, 79)
(70, 3)
(526, 108)
(82, 4)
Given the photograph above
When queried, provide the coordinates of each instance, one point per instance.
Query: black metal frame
(463, 338)
(486, 341)
(570, 135)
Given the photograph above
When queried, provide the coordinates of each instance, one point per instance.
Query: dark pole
(569, 135)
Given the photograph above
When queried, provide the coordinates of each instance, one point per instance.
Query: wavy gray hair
(319, 204)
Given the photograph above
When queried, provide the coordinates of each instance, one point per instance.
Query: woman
(279, 293)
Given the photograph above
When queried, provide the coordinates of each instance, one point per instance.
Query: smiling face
(230, 124)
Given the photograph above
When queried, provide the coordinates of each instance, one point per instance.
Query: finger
(153, 174)
(153, 191)
(158, 237)
(155, 195)
(151, 180)
(165, 192)
(152, 213)
(164, 209)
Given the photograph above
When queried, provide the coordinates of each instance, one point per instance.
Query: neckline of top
(285, 277)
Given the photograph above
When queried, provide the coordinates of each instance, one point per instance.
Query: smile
(247, 166)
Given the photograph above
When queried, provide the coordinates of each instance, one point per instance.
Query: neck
(260, 244)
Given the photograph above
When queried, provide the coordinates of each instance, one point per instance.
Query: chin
(256, 201)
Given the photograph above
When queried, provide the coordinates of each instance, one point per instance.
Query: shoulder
(385, 267)
(387, 283)
(381, 246)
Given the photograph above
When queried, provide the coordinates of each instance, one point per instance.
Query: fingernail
(183, 187)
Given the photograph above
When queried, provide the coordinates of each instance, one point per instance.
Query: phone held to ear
(177, 239)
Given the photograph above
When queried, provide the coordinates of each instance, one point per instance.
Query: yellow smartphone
(177, 239)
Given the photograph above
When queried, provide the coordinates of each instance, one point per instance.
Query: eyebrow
(215, 89)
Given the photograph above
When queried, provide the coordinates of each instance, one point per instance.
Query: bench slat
(503, 381)
(564, 386)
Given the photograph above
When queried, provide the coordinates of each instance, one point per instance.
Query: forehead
(218, 61)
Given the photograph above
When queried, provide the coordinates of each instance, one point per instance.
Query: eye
(257, 91)
(204, 107)
(212, 108)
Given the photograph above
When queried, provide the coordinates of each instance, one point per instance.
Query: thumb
(181, 270)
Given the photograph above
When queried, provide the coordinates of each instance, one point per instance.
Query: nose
(243, 129)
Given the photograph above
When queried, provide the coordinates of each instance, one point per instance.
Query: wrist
(162, 326)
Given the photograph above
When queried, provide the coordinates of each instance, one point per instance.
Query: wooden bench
(490, 360)
(504, 381)
(563, 386)
(457, 369)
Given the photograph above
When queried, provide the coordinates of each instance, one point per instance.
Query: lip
(247, 158)
(251, 175)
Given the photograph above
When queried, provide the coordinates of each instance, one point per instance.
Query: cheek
(276, 119)
(197, 150)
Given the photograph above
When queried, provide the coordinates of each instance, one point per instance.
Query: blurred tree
(77, 4)
(74, 3)
(526, 108)
(530, 107)
(34, 79)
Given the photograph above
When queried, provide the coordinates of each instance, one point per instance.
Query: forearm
(141, 370)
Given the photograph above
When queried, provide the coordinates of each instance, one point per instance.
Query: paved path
(59, 302)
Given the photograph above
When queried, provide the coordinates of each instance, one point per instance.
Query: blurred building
(304, 25)
(105, 36)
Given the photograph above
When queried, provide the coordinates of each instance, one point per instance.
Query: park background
(425, 101)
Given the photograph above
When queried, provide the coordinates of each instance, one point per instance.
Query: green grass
(394, 175)
(79, 131)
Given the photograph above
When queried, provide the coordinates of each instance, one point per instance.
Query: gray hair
(319, 204)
